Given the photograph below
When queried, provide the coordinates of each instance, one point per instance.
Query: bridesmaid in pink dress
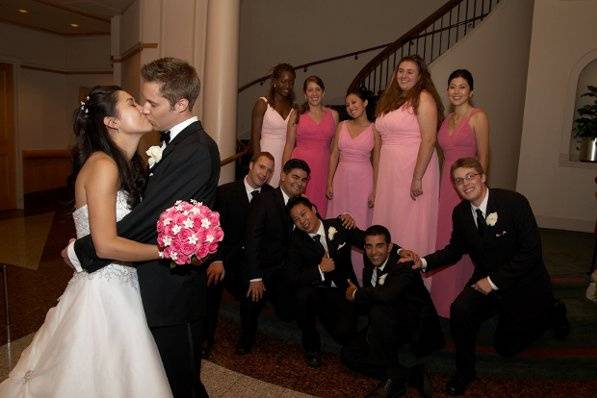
(310, 138)
(464, 133)
(269, 120)
(408, 181)
(354, 157)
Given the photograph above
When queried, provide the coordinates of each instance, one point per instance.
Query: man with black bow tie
(498, 230)
(403, 324)
(319, 267)
(232, 202)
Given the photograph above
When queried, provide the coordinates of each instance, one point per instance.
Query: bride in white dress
(96, 342)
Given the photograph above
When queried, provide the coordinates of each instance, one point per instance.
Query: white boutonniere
(155, 155)
(491, 219)
(382, 279)
(331, 233)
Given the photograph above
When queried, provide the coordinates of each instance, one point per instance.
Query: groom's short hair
(178, 79)
(379, 230)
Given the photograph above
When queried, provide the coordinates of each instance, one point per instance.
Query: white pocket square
(151, 174)
(340, 246)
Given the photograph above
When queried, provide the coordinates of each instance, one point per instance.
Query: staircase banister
(391, 48)
(321, 61)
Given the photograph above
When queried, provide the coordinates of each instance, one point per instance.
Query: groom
(173, 299)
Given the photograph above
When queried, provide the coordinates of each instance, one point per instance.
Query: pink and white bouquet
(188, 229)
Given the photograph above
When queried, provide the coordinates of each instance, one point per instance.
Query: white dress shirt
(249, 189)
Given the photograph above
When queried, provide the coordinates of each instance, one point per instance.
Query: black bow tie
(165, 137)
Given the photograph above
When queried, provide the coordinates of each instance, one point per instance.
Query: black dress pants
(375, 351)
(514, 332)
(328, 306)
(278, 292)
(181, 355)
(232, 284)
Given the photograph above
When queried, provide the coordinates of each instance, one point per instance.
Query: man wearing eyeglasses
(498, 230)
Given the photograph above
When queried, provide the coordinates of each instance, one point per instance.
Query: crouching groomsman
(403, 324)
(498, 230)
(232, 202)
(319, 267)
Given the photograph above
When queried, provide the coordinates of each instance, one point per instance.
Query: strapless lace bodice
(117, 270)
(81, 215)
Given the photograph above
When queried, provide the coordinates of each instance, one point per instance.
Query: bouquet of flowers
(188, 229)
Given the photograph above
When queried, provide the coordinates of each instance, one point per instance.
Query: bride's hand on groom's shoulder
(64, 254)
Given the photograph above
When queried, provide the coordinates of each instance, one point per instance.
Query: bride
(95, 342)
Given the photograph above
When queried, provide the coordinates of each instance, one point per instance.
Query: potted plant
(585, 127)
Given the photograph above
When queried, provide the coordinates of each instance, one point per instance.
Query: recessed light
(74, 25)
(23, 11)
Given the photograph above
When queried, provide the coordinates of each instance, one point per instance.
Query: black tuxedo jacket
(268, 234)
(509, 252)
(233, 204)
(189, 169)
(405, 300)
(304, 255)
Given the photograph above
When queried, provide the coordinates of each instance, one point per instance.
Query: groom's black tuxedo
(173, 299)
(189, 169)
(509, 253)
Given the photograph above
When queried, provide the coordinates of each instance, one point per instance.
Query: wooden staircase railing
(429, 39)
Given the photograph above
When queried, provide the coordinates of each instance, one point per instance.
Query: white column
(220, 83)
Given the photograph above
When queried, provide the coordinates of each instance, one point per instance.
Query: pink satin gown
(412, 223)
(273, 138)
(354, 169)
(313, 146)
(449, 282)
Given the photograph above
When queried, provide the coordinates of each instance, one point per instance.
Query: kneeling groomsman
(232, 202)
(319, 267)
(498, 230)
(403, 324)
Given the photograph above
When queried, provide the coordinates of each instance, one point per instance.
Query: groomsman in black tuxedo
(268, 234)
(319, 267)
(189, 168)
(232, 201)
(403, 323)
(498, 230)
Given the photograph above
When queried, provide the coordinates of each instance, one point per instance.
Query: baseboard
(566, 224)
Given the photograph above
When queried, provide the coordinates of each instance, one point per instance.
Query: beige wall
(498, 59)
(273, 31)
(45, 100)
(177, 26)
(563, 43)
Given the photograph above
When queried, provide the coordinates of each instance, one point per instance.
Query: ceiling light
(23, 11)
(74, 25)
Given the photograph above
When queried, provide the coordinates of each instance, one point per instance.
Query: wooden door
(8, 197)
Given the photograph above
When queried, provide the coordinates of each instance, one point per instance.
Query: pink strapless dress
(413, 224)
(273, 138)
(313, 146)
(354, 167)
(449, 282)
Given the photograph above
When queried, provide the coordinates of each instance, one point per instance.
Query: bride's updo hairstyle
(92, 136)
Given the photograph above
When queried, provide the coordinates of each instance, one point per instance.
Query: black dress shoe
(457, 385)
(559, 321)
(418, 379)
(387, 389)
(206, 348)
(313, 359)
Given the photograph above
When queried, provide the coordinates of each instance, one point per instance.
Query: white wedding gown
(95, 342)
